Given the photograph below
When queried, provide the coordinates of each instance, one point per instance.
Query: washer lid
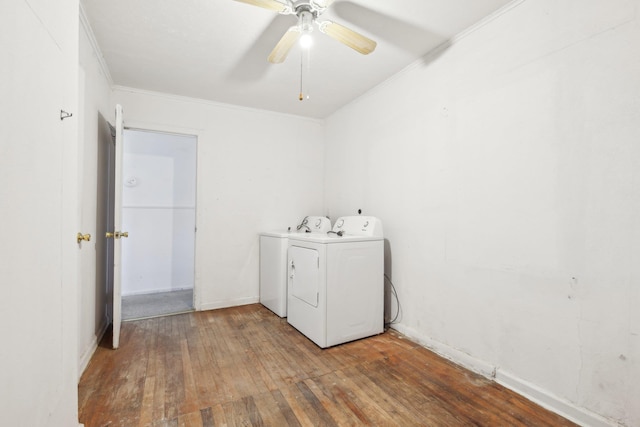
(277, 233)
(330, 238)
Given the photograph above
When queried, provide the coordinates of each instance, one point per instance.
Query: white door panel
(117, 222)
(38, 207)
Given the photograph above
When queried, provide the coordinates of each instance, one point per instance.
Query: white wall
(256, 171)
(505, 171)
(95, 110)
(39, 211)
(158, 212)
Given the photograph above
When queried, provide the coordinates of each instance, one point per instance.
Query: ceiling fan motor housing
(307, 12)
(305, 19)
(311, 6)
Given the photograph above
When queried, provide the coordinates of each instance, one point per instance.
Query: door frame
(167, 129)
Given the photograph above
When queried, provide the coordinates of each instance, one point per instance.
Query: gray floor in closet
(159, 304)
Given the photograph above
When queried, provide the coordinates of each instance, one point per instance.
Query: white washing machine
(336, 282)
(273, 262)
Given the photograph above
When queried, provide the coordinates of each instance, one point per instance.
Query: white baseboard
(228, 303)
(544, 398)
(459, 357)
(553, 403)
(85, 358)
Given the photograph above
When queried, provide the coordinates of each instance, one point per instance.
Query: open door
(115, 233)
(104, 223)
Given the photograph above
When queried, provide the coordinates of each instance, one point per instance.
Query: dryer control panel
(359, 226)
(315, 224)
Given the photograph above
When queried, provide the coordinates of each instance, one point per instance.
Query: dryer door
(304, 271)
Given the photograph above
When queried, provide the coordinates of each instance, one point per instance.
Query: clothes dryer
(336, 282)
(273, 261)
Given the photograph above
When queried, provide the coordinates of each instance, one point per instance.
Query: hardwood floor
(245, 366)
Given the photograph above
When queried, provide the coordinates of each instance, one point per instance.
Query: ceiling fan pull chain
(301, 97)
(305, 69)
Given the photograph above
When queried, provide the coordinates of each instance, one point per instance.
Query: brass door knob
(86, 237)
(108, 235)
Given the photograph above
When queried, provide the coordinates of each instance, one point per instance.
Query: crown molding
(209, 102)
(86, 26)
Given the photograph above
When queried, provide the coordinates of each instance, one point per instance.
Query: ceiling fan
(308, 12)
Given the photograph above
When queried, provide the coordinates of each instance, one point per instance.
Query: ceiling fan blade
(267, 4)
(348, 37)
(280, 52)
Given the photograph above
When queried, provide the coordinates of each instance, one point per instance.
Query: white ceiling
(217, 49)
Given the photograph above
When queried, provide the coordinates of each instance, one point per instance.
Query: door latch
(116, 234)
(80, 237)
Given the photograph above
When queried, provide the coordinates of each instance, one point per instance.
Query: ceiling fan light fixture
(305, 22)
(306, 41)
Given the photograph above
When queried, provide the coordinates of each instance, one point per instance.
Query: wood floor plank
(129, 382)
(191, 402)
(399, 400)
(210, 372)
(222, 358)
(199, 365)
(298, 404)
(244, 366)
(319, 415)
(445, 402)
(174, 374)
(146, 412)
(159, 373)
(192, 419)
(281, 365)
(255, 417)
(361, 398)
(219, 419)
(285, 409)
(206, 417)
(148, 397)
(236, 413)
(317, 362)
(264, 409)
(342, 411)
(456, 400)
(164, 423)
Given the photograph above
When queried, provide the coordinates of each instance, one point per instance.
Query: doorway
(159, 213)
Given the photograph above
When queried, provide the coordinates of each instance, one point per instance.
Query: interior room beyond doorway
(158, 210)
